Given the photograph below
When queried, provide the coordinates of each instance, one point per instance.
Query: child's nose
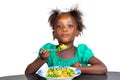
(65, 28)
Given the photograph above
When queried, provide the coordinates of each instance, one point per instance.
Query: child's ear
(77, 33)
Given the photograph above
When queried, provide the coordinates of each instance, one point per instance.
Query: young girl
(66, 26)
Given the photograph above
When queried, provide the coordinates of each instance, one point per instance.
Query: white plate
(42, 72)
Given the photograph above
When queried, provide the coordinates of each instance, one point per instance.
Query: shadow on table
(34, 77)
(81, 77)
(91, 77)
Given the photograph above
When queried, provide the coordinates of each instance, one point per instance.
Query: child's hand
(44, 54)
(77, 65)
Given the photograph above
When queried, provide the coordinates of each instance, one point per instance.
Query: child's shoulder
(84, 49)
(82, 46)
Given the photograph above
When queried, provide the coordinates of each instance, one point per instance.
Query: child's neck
(67, 53)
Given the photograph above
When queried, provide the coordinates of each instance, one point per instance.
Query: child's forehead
(64, 16)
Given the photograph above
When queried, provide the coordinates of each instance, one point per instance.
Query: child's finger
(43, 51)
(47, 53)
(79, 64)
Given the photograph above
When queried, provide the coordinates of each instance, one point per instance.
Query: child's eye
(70, 26)
(59, 26)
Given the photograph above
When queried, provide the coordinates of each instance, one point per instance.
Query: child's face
(65, 29)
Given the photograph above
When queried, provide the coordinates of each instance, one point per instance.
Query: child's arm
(96, 67)
(37, 63)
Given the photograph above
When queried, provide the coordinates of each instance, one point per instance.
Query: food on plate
(60, 73)
(62, 47)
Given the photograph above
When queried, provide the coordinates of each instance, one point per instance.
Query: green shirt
(82, 55)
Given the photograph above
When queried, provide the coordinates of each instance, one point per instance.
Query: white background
(24, 29)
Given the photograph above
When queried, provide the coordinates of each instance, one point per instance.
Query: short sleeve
(84, 54)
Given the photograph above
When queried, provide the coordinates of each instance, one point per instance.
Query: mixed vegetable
(62, 47)
(60, 73)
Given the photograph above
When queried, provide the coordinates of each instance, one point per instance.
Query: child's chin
(66, 41)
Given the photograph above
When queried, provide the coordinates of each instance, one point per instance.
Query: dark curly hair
(74, 12)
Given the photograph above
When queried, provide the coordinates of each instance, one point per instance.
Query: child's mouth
(65, 35)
